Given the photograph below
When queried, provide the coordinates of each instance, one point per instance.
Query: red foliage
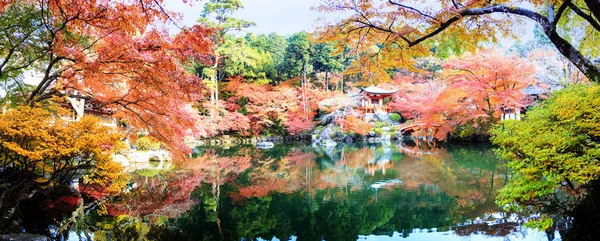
(222, 120)
(298, 122)
(475, 90)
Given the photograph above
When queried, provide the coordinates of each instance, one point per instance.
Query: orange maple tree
(390, 33)
(117, 54)
(474, 90)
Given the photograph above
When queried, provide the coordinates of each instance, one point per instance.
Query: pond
(389, 191)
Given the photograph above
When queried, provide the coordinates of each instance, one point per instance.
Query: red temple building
(372, 101)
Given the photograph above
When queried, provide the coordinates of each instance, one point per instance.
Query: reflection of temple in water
(381, 162)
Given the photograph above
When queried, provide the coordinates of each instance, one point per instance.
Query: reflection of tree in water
(283, 215)
(292, 194)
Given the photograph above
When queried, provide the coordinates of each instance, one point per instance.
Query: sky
(281, 16)
(285, 17)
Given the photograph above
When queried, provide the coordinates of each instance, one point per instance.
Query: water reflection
(304, 192)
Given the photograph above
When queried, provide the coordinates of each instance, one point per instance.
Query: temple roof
(376, 90)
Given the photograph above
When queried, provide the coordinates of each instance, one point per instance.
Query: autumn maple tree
(393, 32)
(41, 153)
(115, 55)
(119, 58)
(472, 92)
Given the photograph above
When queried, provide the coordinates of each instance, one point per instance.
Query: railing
(375, 108)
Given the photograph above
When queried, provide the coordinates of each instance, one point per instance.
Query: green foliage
(325, 59)
(218, 13)
(245, 61)
(541, 224)
(297, 55)
(554, 152)
(20, 37)
(380, 124)
(395, 117)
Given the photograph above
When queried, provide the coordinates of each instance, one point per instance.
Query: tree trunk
(584, 64)
(327, 80)
(594, 6)
(304, 86)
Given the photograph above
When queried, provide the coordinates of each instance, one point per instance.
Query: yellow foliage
(55, 151)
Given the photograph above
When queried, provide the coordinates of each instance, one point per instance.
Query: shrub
(395, 117)
(146, 144)
(380, 124)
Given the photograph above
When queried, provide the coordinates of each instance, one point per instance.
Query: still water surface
(393, 191)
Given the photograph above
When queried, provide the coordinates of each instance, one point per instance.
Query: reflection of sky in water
(424, 235)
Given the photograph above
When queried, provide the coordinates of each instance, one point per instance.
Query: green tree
(553, 152)
(276, 46)
(20, 47)
(243, 60)
(217, 14)
(324, 59)
(297, 55)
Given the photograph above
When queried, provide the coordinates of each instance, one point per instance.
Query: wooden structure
(373, 99)
(84, 104)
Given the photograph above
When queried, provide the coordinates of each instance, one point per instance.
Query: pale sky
(280, 16)
(286, 17)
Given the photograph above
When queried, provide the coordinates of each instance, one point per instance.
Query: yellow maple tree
(41, 153)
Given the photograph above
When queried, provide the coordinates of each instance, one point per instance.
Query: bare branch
(414, 10)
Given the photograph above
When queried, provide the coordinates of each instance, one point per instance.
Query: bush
(380, 124)
(395, 117)
(146, 144)
(120, 147)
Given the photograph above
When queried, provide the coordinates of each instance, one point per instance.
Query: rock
(386, 136)
(348, 140)
(385, 128)
(372, 134)
(329, 143)
(325, 135)
(23, 237)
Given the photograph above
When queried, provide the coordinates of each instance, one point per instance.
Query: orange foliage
(355, 123)
(119, 54)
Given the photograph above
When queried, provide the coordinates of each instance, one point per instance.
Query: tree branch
(414, 10)
(585, 16)
(560, 11)
(583, 63)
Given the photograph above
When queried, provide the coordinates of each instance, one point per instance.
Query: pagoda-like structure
(372, 102)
